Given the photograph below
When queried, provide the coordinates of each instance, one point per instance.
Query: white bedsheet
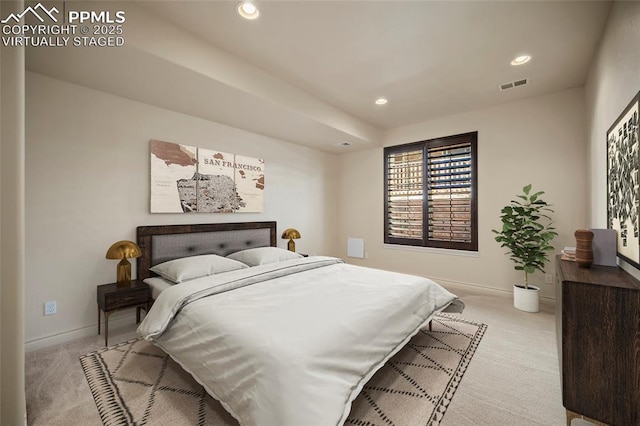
(158, 285)
(292, 343)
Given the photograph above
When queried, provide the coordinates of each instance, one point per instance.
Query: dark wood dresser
(598, 332)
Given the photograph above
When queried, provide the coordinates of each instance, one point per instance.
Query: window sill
(449, 252)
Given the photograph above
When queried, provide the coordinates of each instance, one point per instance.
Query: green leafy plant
(527, 232)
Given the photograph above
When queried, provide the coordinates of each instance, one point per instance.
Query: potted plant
(527, 232)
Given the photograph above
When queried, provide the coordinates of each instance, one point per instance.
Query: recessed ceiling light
(523, 59)
(381, 101)
(248, 10)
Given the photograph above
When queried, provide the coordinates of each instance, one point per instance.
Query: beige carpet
(513, 379)
(136, 383)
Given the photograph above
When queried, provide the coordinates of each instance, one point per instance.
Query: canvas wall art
(186, 179)
(623, 192)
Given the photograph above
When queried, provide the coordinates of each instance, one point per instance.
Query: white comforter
(292, 343)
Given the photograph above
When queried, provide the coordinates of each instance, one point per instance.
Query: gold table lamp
(122, 250)
(291, 234)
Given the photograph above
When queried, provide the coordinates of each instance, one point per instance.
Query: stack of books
(569, 253)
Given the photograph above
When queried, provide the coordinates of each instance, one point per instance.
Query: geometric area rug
(135, 383)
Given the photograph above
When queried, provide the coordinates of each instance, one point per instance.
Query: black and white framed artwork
(623, 192)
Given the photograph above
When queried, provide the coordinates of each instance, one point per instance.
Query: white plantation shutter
(430, 193)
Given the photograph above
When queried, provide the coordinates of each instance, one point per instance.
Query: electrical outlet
(50, 308)
(548, 278)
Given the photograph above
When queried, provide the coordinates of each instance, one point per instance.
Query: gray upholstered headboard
(166, 242)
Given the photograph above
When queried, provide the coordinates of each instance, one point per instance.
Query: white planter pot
(527, 300)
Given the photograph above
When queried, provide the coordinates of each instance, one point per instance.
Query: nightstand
(112, 298)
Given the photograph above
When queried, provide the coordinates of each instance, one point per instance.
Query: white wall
(541, 141)
(87, 186)
(13, 409)
(613, 81)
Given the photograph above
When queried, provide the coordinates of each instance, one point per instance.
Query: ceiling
(309, 71)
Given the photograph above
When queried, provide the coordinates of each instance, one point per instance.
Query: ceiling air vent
(512, 84)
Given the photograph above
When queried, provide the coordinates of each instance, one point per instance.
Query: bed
(280, 339)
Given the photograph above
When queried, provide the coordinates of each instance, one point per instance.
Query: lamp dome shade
(123, 249)
(291, 233)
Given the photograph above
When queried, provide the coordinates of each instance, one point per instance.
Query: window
(430, 193)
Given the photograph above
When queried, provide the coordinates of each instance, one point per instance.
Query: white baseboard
(67, 336)
(466, 284)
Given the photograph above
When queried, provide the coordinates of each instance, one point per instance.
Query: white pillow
(189, 268)
(263, 255)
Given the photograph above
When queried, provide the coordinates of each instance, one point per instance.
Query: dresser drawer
(124, 299)
(600, 339)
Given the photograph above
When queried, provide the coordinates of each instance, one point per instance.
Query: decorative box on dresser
(598, 332)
